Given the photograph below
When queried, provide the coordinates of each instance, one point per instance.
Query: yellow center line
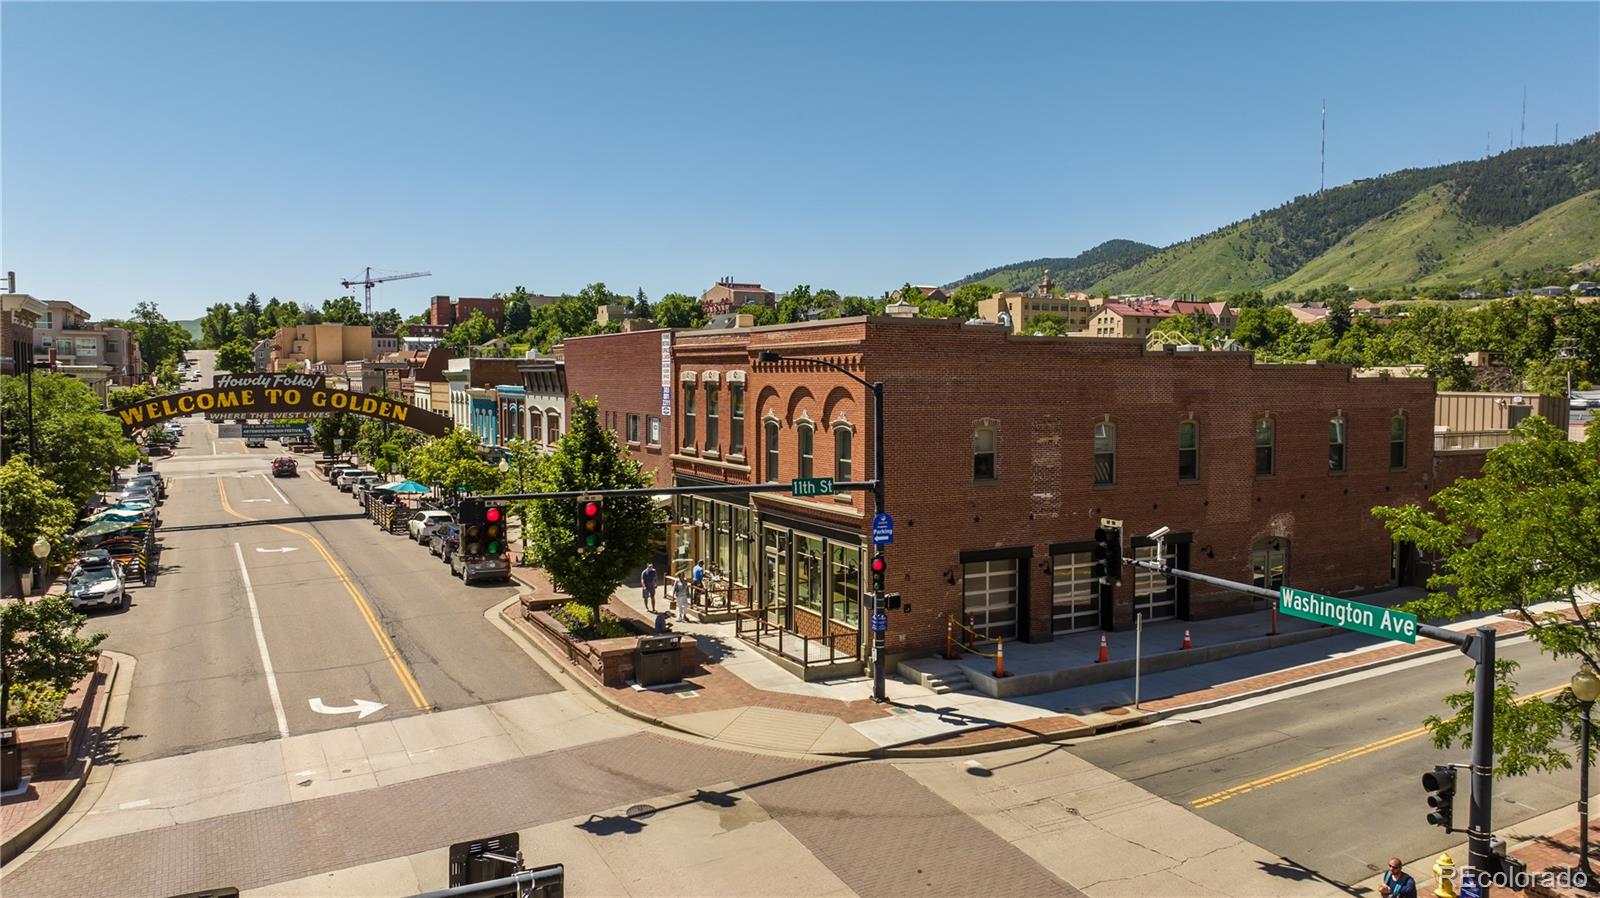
(1217, 798)
(385, 644)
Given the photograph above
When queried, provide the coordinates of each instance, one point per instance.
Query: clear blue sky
(194, 152)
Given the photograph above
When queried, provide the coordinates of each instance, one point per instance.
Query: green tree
(1048, 325)
(519, 313)
(966, 297)
(475, 331)
(31, 506)
(386, 322)
(383, 445)
(78, 443)
(762, 315)
(336, 433)
(159, 340)
(589, 457)
(120, 396)
(1527, 531)
(250, 315)
(218, 326)
(452, 464)
(237, 356)
(1261, 328)
(40, 643)
(679, 310)
(797, 303)
(343, 310)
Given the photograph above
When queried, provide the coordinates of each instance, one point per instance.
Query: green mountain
(192, 325)
(1073, 273)
(1436, 223)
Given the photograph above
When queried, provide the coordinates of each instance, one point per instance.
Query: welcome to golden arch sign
(245, 402)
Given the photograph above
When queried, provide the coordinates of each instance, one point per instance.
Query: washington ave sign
(1369, 619)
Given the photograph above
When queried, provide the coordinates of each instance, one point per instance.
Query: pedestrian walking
(647, 581)
(699, 575)
(680, 595)
(1397, 883)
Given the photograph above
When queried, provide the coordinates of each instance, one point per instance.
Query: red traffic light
(878, 564)
(493, 514)
(590, 509)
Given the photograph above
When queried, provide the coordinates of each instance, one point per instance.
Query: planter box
(610, 661)
(51, 747)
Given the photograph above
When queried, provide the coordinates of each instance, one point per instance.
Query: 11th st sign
(1369, 619)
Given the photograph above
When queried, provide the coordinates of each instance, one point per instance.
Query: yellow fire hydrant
(1444, 872)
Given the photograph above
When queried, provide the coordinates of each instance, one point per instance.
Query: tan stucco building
(310, 345)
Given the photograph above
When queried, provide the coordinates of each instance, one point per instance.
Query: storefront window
(775, 575)
(808, 572)
(846, 585)
(1074, 594)
(741, 547)
(989, 596)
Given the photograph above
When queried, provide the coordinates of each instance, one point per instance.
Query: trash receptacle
(10, 760)
(655, 660)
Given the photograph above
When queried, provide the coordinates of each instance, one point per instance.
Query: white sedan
(422, 520)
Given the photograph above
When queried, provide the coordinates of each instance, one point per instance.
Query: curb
(20, 841)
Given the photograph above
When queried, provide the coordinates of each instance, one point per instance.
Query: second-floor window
(712, 397)
(633, 428)
(769, 438)
(1336, 438)
(983, 454)
(1189, 450)
(1105, 453)
(653, 430)
(842, 453)
(736, 419)
(688, 416)
(806, 436)
(1397, 442)
(1266, 444)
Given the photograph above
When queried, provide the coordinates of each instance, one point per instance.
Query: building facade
(309, 346)
(631, 377)
(100, 355)
(19, 315)
(726, 295)
(544, 385)
(998, 471)
(1129, 319)
(1076, 309)
(446, 313)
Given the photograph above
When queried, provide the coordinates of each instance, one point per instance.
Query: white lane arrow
(362, 708)
(270, 549)
(255, 500)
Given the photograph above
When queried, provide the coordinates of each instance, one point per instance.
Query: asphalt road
(342, 611)
(1331, 780)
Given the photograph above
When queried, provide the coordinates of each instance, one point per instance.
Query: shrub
(36, 703)
(581, 623)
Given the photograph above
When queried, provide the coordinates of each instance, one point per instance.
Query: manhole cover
(1114, 712)
(641, 812)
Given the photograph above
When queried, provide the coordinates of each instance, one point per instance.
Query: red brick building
(1003, 454)
(631, 375)
(443, 312)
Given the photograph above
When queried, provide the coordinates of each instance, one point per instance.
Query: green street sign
(1369, 619)
(811, 486)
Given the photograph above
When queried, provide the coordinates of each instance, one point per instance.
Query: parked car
(150, 482)
(423, 521)
(443, 541)
(480, 567)
(97, 583)
(255, 443)
(361, 483)
(347, 480)
(336, 470)
(284, 466)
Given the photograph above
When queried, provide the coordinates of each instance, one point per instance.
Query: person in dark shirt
(1397, 883)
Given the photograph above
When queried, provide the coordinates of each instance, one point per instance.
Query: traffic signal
(494, 529)
(1108, 555)
(472, 521)
(591, 524)
(880, 571)
(1440, 783)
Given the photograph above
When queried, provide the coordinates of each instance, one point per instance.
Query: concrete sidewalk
(742, 698)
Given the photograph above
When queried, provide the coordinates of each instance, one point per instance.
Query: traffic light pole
(880, 638)
(1480, 647)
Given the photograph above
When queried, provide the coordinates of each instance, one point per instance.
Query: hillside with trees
(1070, 273)
(1454, 221)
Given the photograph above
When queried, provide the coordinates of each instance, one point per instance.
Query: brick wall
(623, 371)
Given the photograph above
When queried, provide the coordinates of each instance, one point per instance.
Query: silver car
(101, 586)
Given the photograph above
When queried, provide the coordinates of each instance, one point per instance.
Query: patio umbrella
(404, 486)
(100, 528)
(127, 515)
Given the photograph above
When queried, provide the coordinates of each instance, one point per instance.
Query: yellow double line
(1217, 798)
(385, 644)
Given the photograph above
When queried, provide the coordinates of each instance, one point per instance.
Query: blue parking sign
(882, 529)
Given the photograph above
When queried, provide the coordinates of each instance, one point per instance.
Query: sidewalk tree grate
(641, 812)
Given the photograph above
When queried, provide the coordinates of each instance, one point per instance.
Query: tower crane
(369, 282)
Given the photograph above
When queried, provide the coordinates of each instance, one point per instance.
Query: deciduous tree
(237, 356)
(679, 310)
(78, 443)
(40, 642)
(451, 463)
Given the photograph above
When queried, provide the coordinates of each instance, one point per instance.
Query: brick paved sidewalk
(714, 688)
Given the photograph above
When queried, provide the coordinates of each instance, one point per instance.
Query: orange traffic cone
(1105, 654)
(1187, 643)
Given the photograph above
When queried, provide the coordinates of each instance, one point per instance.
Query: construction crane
(369, 282)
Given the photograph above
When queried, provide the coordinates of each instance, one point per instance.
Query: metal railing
(1469, 440)
(715, 593)
(752, 625)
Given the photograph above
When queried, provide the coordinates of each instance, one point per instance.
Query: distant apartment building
(1134, 318)
(727, 295)
(1221, 314)
(383, 344)
(262, 353)
(98, 354)
(423, 336)
(1020, 309)
(445, 312)
(311, 346)
(19, 315)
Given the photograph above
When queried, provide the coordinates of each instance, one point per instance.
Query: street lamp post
(880, 638)
(1585, 688)
(41, 551)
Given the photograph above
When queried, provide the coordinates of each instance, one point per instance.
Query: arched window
(1397, 443)
(1336, 439)
(805, 433)
(552, 431)
(1105, 453)
(984, 454)
(1266, 446)
(842, 453)
(1188, 450)
(769, 440)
